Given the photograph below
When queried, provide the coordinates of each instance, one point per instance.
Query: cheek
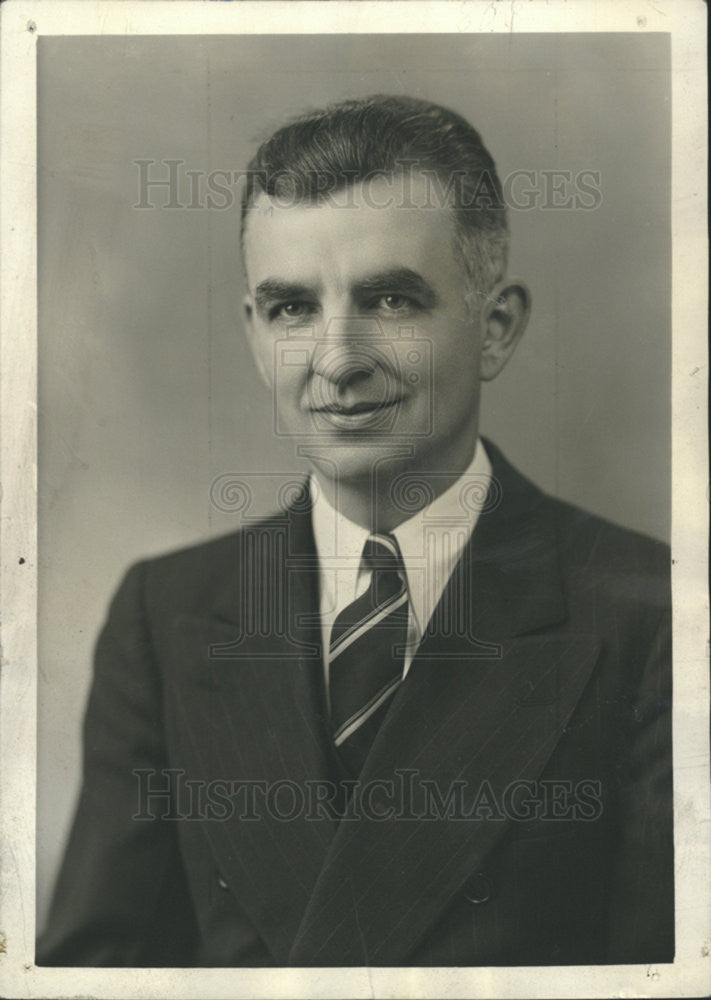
(456, 356)
(262, 352)
(273, 358)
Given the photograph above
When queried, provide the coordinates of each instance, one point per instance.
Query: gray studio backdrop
(147, 393)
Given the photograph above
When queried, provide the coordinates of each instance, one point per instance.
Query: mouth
(355, 414)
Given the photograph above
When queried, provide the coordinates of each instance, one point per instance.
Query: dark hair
(324, 151)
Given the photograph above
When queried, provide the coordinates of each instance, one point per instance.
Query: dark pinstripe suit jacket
(558, 679)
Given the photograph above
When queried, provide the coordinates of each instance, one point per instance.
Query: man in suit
(422, 715)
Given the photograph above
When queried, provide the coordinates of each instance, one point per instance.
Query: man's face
(359, 324)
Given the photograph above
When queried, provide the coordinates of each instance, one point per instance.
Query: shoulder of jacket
(602, 538)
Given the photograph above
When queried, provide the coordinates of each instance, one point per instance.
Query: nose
(347, 353)
(344, 366)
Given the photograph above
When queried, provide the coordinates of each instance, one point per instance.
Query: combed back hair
(325, 151)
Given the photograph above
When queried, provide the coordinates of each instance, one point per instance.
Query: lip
(355, 415)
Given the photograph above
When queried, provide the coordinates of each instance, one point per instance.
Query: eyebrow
(402, 280)
(274, 290)
(399, 279)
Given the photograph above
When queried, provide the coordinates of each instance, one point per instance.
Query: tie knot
(382, 552)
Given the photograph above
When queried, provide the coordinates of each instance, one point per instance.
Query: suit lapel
(249, 703)
(488, 706)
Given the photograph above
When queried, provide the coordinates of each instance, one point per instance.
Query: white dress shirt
(431, 542)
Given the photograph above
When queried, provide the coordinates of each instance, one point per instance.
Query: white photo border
(22, 24)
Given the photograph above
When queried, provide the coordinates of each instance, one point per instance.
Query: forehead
(371, 225)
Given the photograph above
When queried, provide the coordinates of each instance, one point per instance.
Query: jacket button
(478, 889)
(222, 884)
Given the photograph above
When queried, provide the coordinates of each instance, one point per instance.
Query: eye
(291, 310)
(394, 302)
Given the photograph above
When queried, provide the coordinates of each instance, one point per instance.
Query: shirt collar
(431, 541)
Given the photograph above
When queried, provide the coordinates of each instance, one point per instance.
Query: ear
(254, 343)
(503, 319)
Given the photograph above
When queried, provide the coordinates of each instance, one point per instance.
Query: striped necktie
(367, 653)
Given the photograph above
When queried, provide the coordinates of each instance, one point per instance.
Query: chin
(348, 462)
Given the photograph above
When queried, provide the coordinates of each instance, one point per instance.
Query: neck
(380, 500)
